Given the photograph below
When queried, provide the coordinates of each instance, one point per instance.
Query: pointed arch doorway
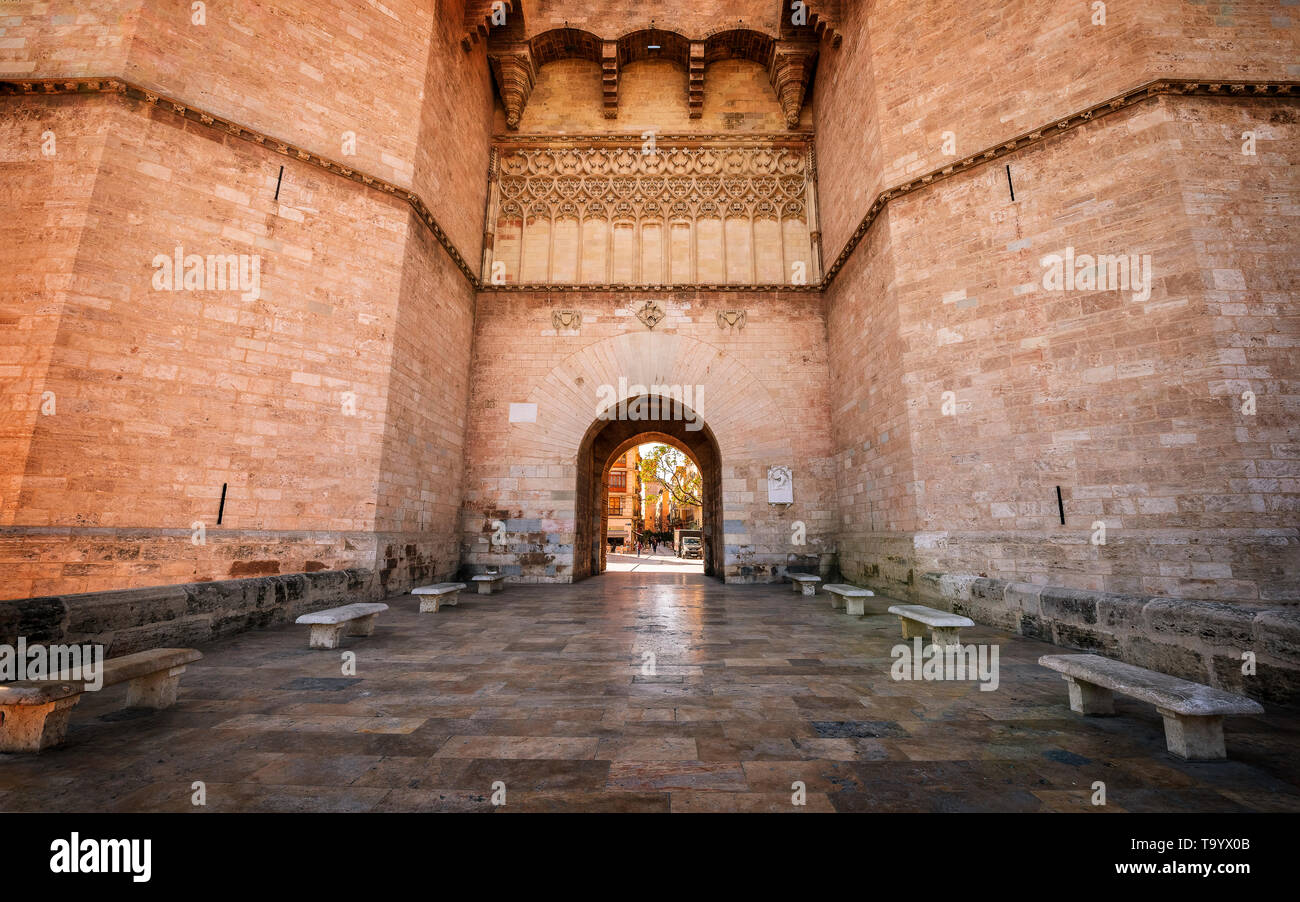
(637, 421)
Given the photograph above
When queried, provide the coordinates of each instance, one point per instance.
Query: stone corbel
(790, 70)
(695, 79)
(515, 73)
(609, 77)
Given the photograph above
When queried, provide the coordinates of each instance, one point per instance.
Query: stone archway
(532, 486)
(610, 436)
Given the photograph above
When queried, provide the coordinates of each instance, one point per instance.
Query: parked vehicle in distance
(691, 548)
(680, 535)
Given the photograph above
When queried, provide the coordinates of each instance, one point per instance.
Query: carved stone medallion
(651, 314)
(566, 319)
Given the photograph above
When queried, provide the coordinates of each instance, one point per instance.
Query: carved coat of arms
(651, 314)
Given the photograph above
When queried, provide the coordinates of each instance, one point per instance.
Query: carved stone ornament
(566, 319)
(732, 318)
(651, 314)
(780, 485)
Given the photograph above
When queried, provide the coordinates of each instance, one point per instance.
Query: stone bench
(944, 626)
(489, 582)
(34, 713)
(328, 626)
(805, 581)
(440, 594)
(1193, 713)
(853, 599)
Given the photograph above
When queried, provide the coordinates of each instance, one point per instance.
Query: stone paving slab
(753, 689)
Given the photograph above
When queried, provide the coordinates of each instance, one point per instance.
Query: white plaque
(523, 413)
(780, 485)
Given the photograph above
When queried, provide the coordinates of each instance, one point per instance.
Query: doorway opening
(605, 476)
(654, 511)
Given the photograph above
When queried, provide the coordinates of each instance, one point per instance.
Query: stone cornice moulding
(600, 140)
(28, 87)
(1157, 88)
(570, 287)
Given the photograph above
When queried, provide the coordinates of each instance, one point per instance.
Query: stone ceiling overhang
(789, 62)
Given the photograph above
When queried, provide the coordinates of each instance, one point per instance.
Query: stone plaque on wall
(780, 486)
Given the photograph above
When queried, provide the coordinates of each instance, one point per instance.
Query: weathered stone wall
(132, 620)
(764, 395)
(989, 71)
(1243, 648)
(332, 405)
(1132, 405)
(875, 485)
(293, 399)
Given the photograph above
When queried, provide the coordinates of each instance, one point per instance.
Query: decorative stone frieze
(696, 211)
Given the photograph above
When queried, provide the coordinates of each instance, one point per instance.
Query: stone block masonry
(130, 620)
(288, 405)
(760, 389)
(1249, 649)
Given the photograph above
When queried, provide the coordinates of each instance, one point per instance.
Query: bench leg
(1194, 738)
(836, 600)
(856, 607)
(795, 586)
(912, 629)
(157, 690)
(1089, 698)
(325, 635)
(362, 626)
(451, 599)
(809, 588)
(484, 587)
(429, 604)
(30, 728)
(946, 636)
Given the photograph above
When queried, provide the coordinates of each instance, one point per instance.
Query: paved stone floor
(540, 687)
(652, 563)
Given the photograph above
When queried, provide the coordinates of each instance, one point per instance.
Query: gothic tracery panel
(698, 211)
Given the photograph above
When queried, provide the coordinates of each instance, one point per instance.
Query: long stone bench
(1193, 713)
(945, 627)
(436, 595)
(34, 713)
(853, 599)
(327, 626)
(489, 582)
(805, 582)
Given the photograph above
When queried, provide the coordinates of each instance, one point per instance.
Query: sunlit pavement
(632, 692)
(652, 563)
